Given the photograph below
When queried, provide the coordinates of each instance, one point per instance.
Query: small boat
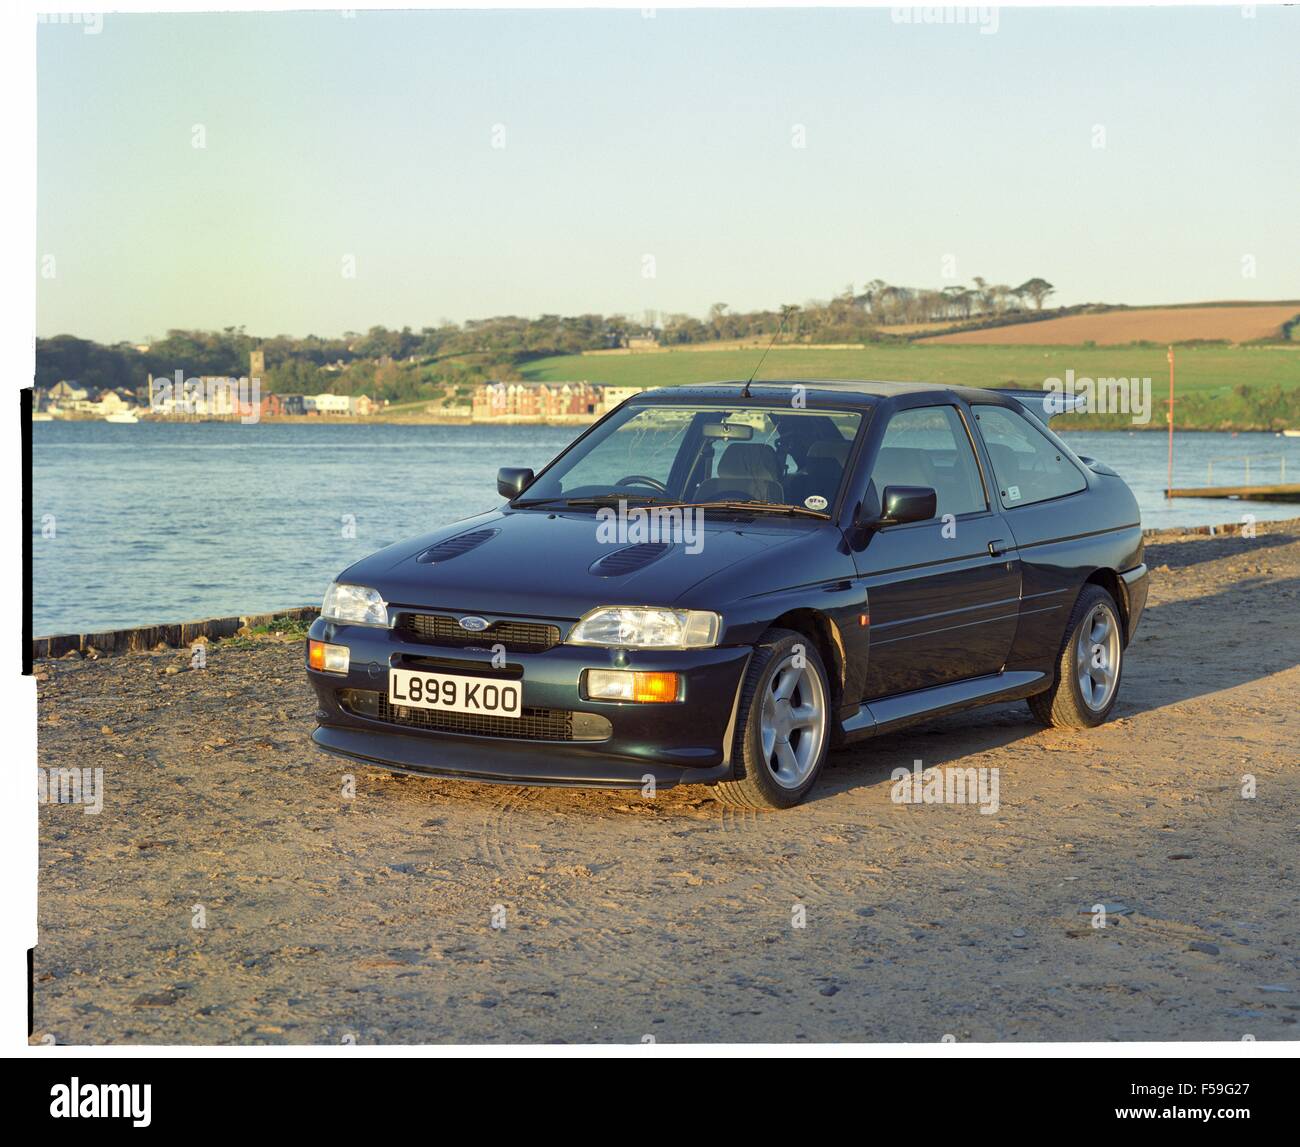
(124, 416)
(1291, 433)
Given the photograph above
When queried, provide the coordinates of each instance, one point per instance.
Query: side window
(929, 446)
(1028, 466)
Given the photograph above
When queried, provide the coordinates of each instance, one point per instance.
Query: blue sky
(625, 137)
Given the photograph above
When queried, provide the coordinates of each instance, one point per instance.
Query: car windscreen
(707, 454)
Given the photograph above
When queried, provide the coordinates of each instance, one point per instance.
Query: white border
(18, 708)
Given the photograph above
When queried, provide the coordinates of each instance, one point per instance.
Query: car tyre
(1088, 667)
(783, 724)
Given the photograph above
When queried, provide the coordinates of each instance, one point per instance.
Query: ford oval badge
(474, 624)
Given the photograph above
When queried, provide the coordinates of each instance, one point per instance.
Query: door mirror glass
(513, 481)
(907, 504)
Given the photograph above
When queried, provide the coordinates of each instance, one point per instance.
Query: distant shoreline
(1064, 425)
(337, 420)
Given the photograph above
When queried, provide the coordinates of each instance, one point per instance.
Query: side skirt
(890, 713)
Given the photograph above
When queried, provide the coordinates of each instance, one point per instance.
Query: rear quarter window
(1027, 464)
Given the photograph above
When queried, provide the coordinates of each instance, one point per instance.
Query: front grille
(516, 636)
(533, 725)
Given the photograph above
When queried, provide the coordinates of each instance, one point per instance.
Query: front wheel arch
(825, 637)
(752, 784)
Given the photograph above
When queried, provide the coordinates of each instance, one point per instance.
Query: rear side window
(1028, 466)
(929, 446)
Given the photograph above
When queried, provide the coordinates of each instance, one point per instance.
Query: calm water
(166, 522)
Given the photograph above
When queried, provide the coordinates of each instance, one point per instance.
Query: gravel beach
(420, 911)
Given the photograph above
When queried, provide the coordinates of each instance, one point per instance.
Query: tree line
(861, 316)
(447, 360)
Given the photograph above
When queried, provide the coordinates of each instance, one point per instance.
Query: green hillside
(1218, 387)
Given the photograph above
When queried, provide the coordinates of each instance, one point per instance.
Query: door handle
(997, 547)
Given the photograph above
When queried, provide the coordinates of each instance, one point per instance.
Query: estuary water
(162, 522)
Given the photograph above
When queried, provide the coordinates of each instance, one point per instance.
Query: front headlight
(632, 626)
(354, 604)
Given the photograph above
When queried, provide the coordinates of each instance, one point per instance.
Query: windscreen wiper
(591, 500)
(762, 507)
(666, 504)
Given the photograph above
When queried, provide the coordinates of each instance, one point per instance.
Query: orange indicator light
(654, 687)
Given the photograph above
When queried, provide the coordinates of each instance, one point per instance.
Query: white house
(613, 395)
(328, 403)
(113, 402)
(65, 394)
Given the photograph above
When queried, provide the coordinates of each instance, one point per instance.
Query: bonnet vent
(627, 560)
(454, 547)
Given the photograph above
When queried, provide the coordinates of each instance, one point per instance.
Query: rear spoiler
(1046, 404)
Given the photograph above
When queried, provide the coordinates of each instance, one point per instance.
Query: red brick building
(535, 400)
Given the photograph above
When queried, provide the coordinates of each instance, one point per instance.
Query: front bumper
(682, 742)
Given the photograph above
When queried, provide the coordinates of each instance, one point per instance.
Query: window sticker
(815, 502)
(1013, 493)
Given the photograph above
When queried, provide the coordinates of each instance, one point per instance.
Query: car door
(943, 595)
(1044, 496)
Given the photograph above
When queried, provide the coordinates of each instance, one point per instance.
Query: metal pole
(1169, 485)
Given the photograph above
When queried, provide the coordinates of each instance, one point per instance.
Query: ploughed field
(1235, 324)
(371, 919)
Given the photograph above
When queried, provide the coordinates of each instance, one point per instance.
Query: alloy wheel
(1097, 657)
(793, 721)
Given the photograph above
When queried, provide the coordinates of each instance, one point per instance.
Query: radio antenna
(785, 314)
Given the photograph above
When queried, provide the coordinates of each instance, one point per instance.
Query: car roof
(822, 392)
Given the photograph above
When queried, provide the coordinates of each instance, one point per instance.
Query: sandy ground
(370, 919)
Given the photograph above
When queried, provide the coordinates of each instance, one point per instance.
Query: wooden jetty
(1277, 492)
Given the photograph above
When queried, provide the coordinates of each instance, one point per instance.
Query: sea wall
(178, 635)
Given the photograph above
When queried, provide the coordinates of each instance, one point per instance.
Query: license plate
(451, 693)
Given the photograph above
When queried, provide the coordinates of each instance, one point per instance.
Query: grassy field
(1218, 387)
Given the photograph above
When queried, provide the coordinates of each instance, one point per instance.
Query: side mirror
(513, 481)
(907, 504)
